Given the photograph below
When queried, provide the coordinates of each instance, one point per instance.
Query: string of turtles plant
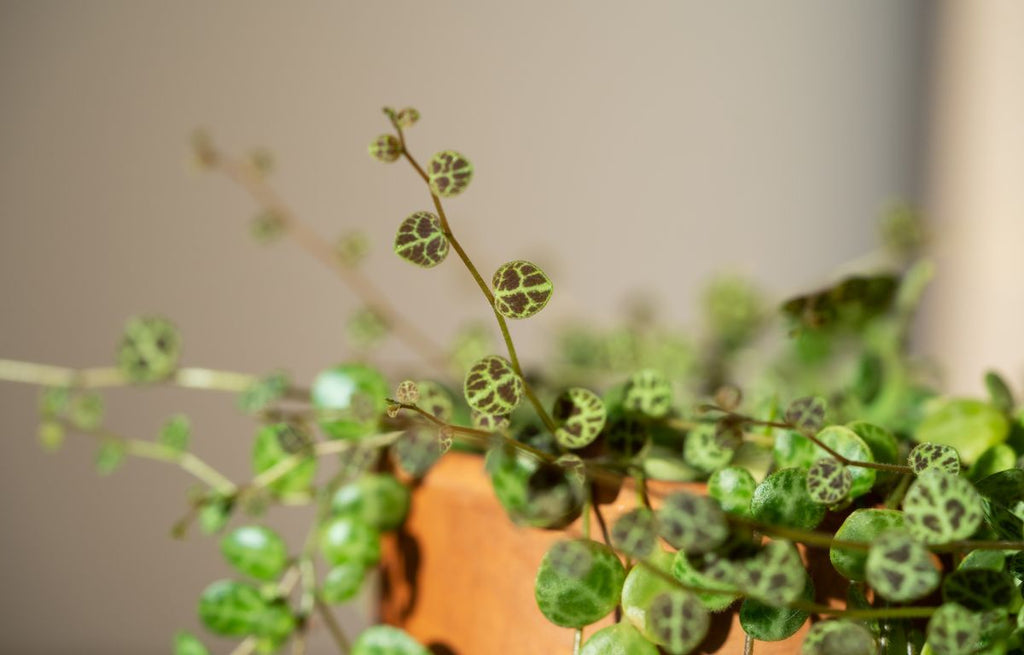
(839, 447)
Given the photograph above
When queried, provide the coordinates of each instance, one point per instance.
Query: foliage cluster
(836, 443)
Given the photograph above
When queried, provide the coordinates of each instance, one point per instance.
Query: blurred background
(631, 149)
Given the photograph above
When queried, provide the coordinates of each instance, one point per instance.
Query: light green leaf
(386, 640)
(575, 601)
(970, 426)
(256, 551)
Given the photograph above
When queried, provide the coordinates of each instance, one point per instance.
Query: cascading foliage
(838, 452)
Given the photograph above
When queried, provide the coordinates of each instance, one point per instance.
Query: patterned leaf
(521, 289)
(576, 601)
(489, 422)
(649, 393)
(806, 414)
(277, 442)
(733, 487)
(953, 630)
(704, 451)
(775, 576)
(899, 568)
(839, 637)
(979, 589)
(449, 173)
(636, 533)
(581, 416)
(255, 551)
(377, 499)
(347, 539)
(846, 442)
(782, 499)
(492, 387)
(417, 450)
(149, 349)
(386, 148)
(231, 608)
(932, 455)
(940, 507)
(435, 400)
(710, 572)
(678, 621)
(421, 241)
(407, 117)
(766, 623)
(828, 481)
(692, 523)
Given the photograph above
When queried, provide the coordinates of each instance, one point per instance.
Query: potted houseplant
(637, 494)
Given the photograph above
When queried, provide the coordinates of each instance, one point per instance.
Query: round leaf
(704, 573)
(828, 481)
(677, 621)
(782, 499)
(979, 589)
(953, 630)
(647, 579)
(618, 639)
(186, 643)
(149, 349)
(932, 455)
(449, 173)
(386, 640)
(635, 533)
(649, 393)
(417, 450)
(692, 523)
(255, 551)
(806, 415)
(377, 499)
(386, 148)
(176, 433)
(733, 487)
(581, 415)
(350, 400)
(342, 583)
(838, 637)
(421, 241)
(899, 568)
(865, 526)
(521, 289)
(349, 540)
(492, 386)
(940, 507)
(576, 601)
(775, 576)
(231, 608)
(766, 623)
(846, 442)
(703, 450)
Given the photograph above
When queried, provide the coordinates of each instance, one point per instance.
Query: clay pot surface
(459, 577)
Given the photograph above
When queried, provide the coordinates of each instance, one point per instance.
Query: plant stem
(549, 423)
(878, 466)
(190, 463)
(246, 646)
(577, 641)
(256, 185)
(320, 449)
(100, 377)
(340, 639)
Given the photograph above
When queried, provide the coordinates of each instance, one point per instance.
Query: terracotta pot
(460, 576)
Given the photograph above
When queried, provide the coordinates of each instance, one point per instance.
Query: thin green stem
(320, 449)
(104, 377)
(878, 466)
(513, 356)
(188, 462)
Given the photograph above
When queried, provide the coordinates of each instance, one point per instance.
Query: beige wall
(623, 146)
